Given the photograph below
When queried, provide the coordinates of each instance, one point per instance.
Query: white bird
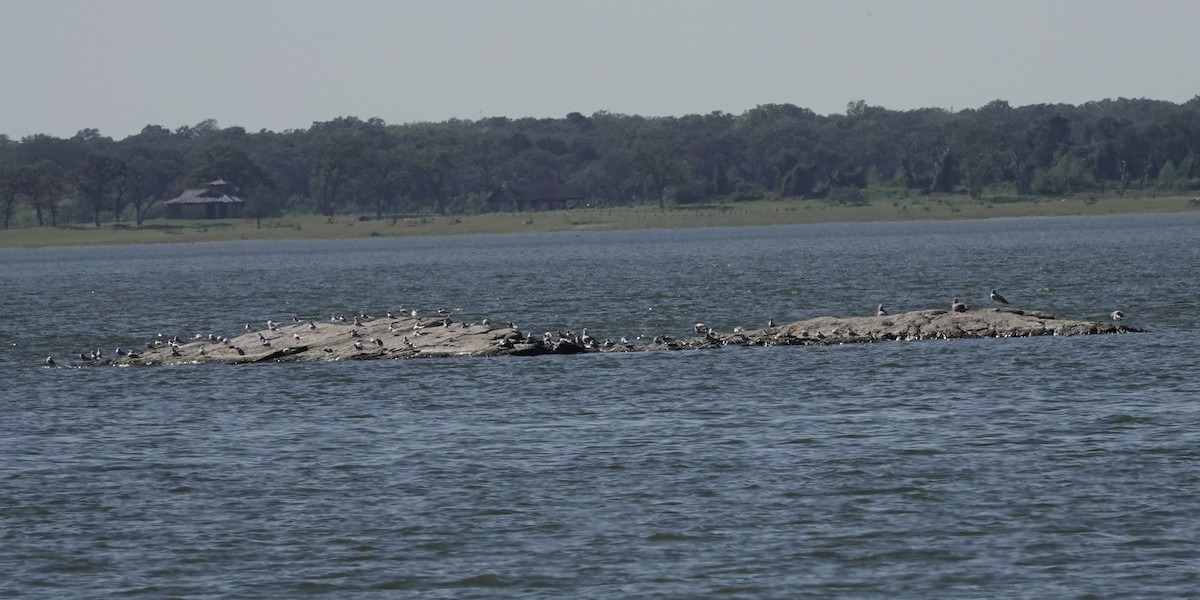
(879, 312)
(1117, 315)
(997, 298)
(358, 345)
(49, 361)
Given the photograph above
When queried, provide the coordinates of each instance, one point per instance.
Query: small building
(217, 200)
(524, 197)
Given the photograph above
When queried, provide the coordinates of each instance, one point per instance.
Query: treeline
(349, 165)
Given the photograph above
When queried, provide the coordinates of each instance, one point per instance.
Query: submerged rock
(412, 337)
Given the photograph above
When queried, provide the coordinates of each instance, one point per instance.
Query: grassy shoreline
(762, 212)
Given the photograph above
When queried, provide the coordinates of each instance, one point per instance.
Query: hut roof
(216, 192)
(542, 191)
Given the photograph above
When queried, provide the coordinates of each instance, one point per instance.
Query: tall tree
(10, 185)
(151, 175)
(41, 182)
(381, 178)
(102, 180)
(659, 155)
(333, 161)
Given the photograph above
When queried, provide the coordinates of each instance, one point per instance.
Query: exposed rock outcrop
(411, 337)
(923, 325)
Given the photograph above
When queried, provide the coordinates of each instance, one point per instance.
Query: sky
(119, 65)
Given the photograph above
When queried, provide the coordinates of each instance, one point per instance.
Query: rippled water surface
(1052, 467)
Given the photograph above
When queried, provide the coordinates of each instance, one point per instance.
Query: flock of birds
(957, 305)
(581, 339)
(175, 343)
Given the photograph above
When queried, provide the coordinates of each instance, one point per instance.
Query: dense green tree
(9, 189)
(659, 158)
(353, 165)
(333, 161)
(102, 180)
(42, 184)
(151, 177)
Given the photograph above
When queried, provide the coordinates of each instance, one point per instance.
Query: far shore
(762, 212)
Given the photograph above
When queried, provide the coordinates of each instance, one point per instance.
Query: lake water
(1051, 467)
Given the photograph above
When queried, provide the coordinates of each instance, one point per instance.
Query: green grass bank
(762, 212)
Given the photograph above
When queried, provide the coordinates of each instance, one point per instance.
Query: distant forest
(350, 166)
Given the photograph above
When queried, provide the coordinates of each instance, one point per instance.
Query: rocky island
(411, 336)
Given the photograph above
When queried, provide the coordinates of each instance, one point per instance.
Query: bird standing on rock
(958, 306)
(997, 298)
(879, 312)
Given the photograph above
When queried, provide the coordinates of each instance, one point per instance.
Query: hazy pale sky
(118, 65)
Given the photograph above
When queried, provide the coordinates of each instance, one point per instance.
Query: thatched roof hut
(216, 200)
(520, 197)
